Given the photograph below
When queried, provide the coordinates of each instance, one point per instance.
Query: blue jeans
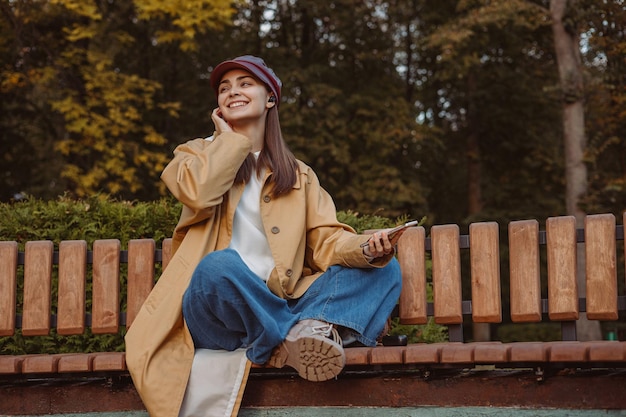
(227, 306)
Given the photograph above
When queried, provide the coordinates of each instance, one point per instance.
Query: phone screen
(395, 230)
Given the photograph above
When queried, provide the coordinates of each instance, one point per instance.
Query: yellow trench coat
(303, 233)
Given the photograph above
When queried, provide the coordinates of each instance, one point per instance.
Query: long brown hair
(275, 156)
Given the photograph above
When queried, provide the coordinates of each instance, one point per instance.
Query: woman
(261, 265)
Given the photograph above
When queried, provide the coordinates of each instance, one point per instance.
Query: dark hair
(275, 156)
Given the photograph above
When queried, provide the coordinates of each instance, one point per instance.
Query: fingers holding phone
(382, 243)
(378, 245)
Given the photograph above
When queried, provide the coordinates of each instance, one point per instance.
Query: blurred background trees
(449, 109)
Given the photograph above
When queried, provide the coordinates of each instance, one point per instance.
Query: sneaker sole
(315, 358)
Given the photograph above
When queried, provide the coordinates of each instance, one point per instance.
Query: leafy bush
(96, 217)
(421, 333)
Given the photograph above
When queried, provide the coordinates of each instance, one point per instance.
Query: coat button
(289, 273)
(267, 198)
(275, 230)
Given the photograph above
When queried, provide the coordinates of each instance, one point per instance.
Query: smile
(237, 104)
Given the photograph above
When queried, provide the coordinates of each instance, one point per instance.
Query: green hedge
(100, 217)
(94, 218)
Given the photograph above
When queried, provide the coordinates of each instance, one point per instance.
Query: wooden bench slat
(562, 268)
(358, 355)
(109, 361)
(446, 258)
(11, 364)
(456, 352)
(491, 352)
(525, 285)
(485, 272)
(140, 275)
(411, 256)
(420, 353)
(568, 352)
(166, 252)
(601, 267)
(387, 355)
(37, 288)
(8, 287)
(106, 286)
(72, 278)
(607, 352)
(528, 352)
(35, 364)
(75, 362)
(423, 353)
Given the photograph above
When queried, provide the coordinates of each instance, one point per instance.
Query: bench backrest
(563, 243)
(71, 263)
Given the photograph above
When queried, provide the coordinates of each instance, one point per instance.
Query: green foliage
(421, 333)
(98, 110)
(347, 113)
(96, 217)
(361, 223)
(381, 98)
(606, 101)
(55, 343)
(492, 88)
(182, 20)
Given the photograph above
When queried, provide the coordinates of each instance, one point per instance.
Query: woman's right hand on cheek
(221, 125)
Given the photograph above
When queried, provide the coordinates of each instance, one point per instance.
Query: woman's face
(242, 97)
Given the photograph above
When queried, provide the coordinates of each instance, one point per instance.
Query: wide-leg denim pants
(227, 306)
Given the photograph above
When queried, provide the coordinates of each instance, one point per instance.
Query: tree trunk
(481, 332)
(566, 43)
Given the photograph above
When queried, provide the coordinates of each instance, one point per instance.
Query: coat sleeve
(202, 171)
(330, 242)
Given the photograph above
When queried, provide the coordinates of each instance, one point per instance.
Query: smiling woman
(263, 272)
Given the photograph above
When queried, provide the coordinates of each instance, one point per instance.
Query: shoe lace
(327, 330)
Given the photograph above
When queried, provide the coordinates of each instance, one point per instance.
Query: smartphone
(395, 230)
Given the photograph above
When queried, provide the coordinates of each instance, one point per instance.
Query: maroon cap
(252, 64)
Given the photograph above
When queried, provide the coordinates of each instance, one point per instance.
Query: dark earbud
(272, 99)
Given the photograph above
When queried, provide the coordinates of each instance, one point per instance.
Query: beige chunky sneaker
(313, 348)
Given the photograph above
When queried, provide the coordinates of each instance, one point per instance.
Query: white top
(249, 238)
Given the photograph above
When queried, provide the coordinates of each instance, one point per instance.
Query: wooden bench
(31, 301)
